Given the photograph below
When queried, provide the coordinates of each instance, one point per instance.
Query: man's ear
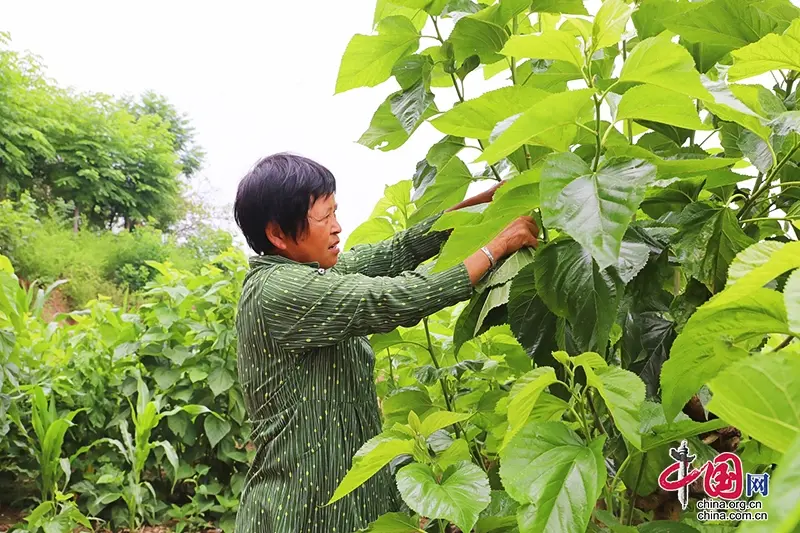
(275, 235)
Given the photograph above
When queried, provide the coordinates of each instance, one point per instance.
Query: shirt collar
(275, 259)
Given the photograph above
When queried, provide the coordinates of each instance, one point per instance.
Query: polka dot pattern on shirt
(306, 370)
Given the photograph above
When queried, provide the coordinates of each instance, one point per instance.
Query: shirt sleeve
(305, 309)
(406, 250)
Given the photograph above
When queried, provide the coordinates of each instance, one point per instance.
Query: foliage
(152, 391)
(44, 247)
(116, 161)
(658, 252)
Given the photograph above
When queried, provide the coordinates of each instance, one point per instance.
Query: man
(305, 364)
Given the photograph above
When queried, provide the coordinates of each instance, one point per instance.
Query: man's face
(320, 242)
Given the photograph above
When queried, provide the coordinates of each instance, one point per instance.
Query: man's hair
(279, 188)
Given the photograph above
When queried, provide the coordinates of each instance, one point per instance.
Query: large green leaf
(460, 496)
(701, 350)
(499, 515)
(497, 297)
(448, 188)
(220, 380)
(531, 321)
(394, 523)
(773, 52)
(466, 239)
(574, 287)
(755, 267)
(507, 269)
(650, 102)
(760, 395)
(437, 157)
(609, 23)
(368, 460)
(707, 241)
(400, 402)
(216, 429)
(569, 7)
(727, 105)
(549, 468)
(657, 432)
(783, 501)
(594, 208)
(523, 398)
(623, 393)
(368, 59)
(658, 61)
(504, 11)
(550, 76)
(551, 123)
(466, 327)
(398, 117)
(388, 8)
(649, 18)
(472, 36)
(477, 118)
(440, 419)
(738, 141)
(554, 45)
(674, 167)
(729, 24)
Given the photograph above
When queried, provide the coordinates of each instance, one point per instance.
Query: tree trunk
(76, 217)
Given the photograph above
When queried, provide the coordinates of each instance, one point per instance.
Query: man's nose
(336, 229)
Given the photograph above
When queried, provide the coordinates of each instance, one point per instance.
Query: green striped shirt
(306, 369)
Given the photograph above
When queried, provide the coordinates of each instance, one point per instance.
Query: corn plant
(146, 415)
(49, 429)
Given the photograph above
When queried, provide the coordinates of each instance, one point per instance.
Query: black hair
(279, 188)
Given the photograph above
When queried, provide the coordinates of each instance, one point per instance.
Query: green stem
(620, 470)
(783, 344)
(636, 489)
(514, 30)
(786, 183)
(768, 181)
(707, 138)
(789, 83)
(761, 219)
(391, 370)
(585, 423)
(758, 182)
(587, 128)
(436, 27)
(447, 400)
(597, 420)
(460, 94)
(433, 358)
(528, 77)
(599, 141)
(606, 134)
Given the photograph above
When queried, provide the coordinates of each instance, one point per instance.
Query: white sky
(255, 78)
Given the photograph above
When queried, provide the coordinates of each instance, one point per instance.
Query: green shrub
(44, 247)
